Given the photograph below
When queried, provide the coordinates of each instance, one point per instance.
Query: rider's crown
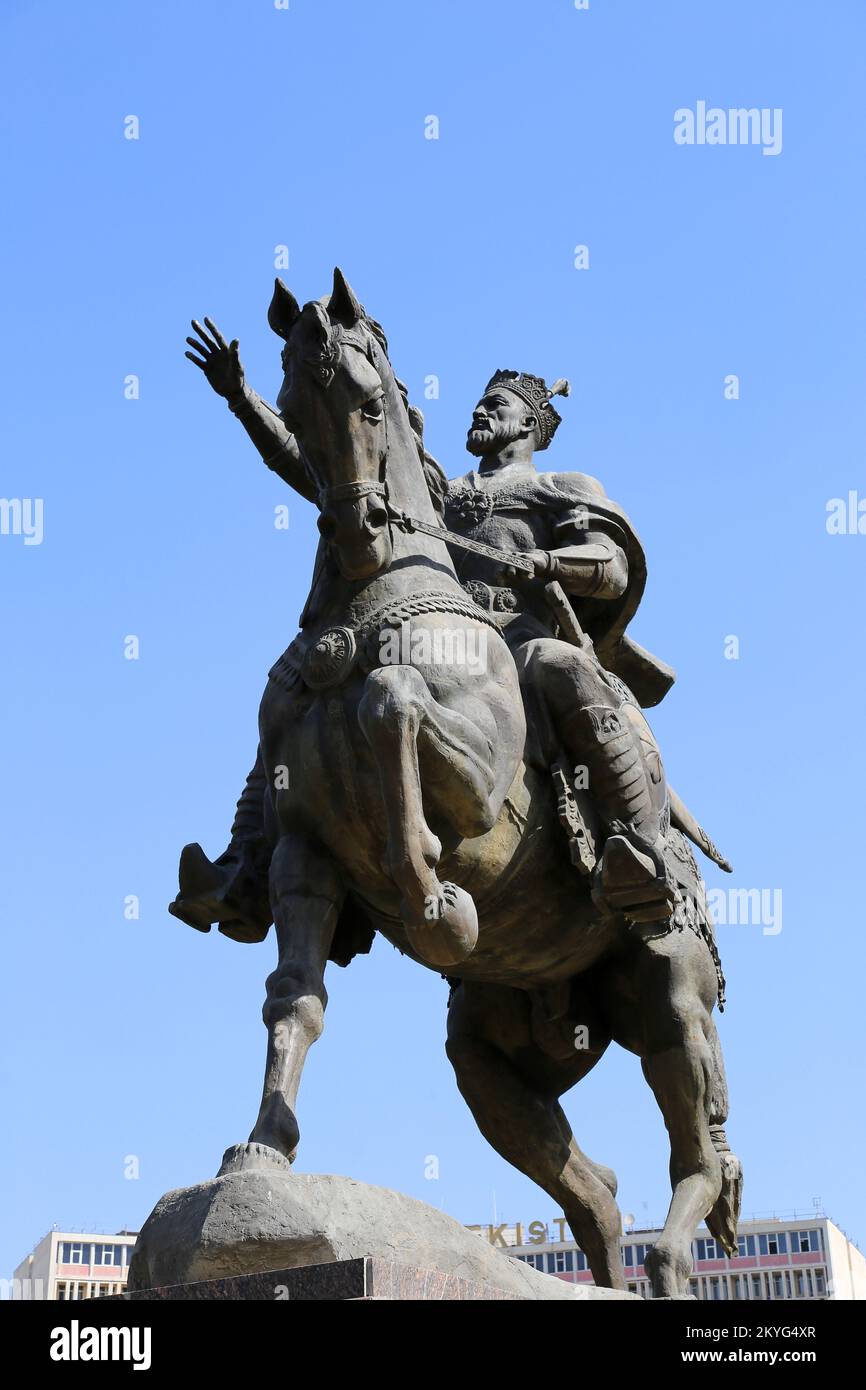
(537, 395)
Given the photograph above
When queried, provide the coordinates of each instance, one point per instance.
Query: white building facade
(796, 1258)
(71, 1265)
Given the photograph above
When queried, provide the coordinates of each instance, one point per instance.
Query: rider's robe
(517, 508)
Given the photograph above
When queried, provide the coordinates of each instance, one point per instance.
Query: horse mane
(326, 335)
(434, 473)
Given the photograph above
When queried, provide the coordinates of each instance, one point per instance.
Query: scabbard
(560, 607)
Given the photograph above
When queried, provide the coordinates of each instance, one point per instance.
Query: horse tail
(725, 1214)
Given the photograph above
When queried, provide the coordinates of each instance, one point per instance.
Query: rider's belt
(493, 598)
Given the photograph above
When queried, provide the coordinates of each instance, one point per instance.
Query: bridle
(340, 492)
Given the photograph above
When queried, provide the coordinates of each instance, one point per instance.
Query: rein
(340, 492)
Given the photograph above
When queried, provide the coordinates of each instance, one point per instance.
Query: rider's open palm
(218, 359)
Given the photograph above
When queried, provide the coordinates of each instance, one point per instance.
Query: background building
(75, 1264)
(801, 1257)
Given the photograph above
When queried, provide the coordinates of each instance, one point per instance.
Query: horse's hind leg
(397, 714)
(512, 1089)
(724, 1217)
(665, 1015)
(306, 897)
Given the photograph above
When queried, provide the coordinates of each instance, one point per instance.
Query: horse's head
(340, 399)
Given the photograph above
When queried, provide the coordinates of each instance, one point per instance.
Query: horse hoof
(449, 933)
(251, 1156)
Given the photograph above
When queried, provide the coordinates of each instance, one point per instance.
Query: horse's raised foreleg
(399, 717)
(306, 897)
(512, 1089)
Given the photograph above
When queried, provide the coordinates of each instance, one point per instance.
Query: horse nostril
(377, 517)
(327, 527)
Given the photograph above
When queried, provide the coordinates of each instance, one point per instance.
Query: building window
(819, 1282)
(756, 1286)
(536, 1261)
(580, 1260)
(773, 1243)
(107, 1254)
(746, 1245)
(708, 1250)
(628, 1255)
(74, 1253)
(694, 1287)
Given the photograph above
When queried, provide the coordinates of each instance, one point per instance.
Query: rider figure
(572, 533)
(591, 692)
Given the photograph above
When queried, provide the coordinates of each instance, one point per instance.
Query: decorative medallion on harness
(330, 659)
(492, 598)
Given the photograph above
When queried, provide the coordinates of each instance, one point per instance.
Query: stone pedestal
(261, 1230)
(370, 1279)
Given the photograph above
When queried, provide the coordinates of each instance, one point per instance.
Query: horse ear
(343, 307)
(283, 311)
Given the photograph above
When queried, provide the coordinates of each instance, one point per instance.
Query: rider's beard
(490, 441)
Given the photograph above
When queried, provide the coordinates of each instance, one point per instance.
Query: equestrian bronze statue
(452, 752)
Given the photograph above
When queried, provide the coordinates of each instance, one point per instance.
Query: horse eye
(373, 409)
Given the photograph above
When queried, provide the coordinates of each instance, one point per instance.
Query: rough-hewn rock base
(261, 1230)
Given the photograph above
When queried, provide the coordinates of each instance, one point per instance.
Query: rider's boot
(627, 787)
(233, 889)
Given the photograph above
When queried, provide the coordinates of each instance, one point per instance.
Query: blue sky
(261, 127)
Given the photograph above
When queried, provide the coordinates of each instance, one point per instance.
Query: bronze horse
(409, 796)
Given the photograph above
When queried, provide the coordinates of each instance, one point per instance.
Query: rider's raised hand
(218, 359)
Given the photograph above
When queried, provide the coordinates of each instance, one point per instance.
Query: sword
(505, 557)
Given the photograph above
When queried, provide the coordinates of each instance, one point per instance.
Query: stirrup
(632, 881)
